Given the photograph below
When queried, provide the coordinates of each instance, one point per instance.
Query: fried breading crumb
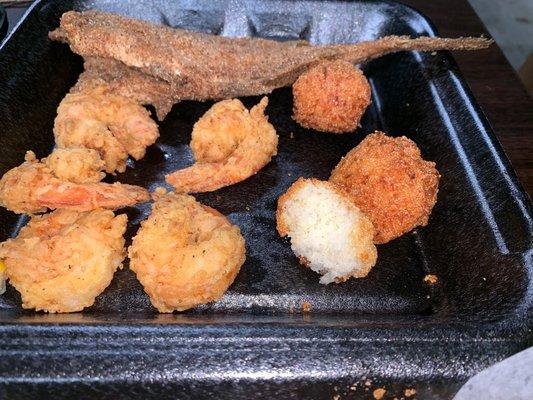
(336, 397)
(306, 307)
(431, 279)
(368, 382)
(160, 190)
(379, 393)
(409, 392)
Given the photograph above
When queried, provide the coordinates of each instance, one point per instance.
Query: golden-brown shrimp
(229, 144)
(185, 253)
(62, 260)
(33, 187)
(114, 125)
(78, 165)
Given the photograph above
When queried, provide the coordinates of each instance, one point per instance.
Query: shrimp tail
(90, 196)
(199, 177)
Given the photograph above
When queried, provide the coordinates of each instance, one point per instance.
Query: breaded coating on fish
(201, 66)
(389, 181)
(61, 261)
(185, 253)
(113, 77)
(328, 233)
(331, 97)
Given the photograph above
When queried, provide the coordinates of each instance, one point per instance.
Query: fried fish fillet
(201, 66)
(115, 78)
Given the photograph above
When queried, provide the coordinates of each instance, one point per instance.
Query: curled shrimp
(62, 260)
(113, 125)
(229, 144)
(36, 185)
(185, 253)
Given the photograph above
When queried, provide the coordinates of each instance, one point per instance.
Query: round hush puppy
(331, 97)
(389, 181)
(328, 233)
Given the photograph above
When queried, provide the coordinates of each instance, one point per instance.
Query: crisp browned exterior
(389, 181)
(331, 97)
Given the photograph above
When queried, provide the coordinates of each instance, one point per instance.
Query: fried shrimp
(390, 182)
(328, 233)
(331, 97)
(61, 261)
(36, 185)
(113, 125)
(229, 144)
(185, 253)
(78, 165)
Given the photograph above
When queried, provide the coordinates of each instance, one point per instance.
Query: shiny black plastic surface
(390, 327)
(3, 23)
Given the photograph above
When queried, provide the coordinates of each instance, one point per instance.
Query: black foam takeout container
(3, 23)
(390, 329)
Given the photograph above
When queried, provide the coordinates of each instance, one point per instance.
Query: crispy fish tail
(365, 51)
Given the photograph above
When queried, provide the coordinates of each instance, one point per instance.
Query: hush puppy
(328, 233)
(331, 97)
(389, 181)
